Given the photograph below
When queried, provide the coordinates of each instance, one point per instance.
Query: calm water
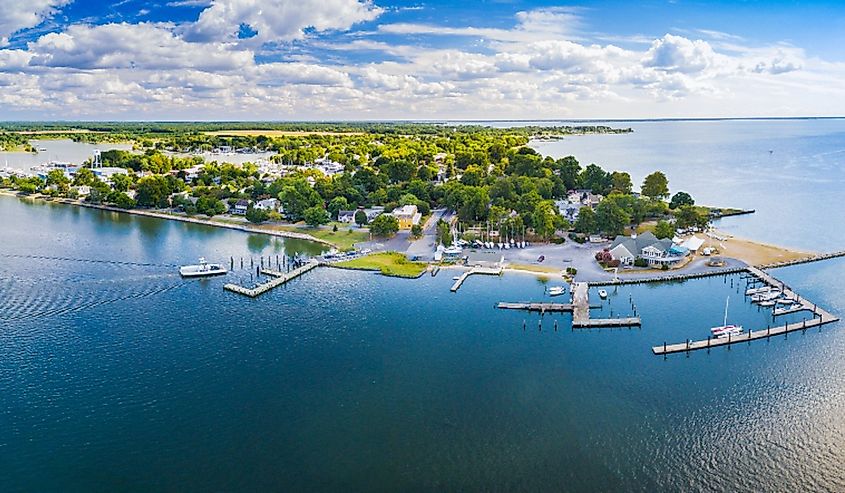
(792, 172)
(115, 374)
(55, 150)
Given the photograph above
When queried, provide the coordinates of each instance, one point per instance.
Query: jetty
(820, 317)
(279, 278)
(580, 308)
(489, 271)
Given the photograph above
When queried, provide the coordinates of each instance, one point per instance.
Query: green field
(388, 263)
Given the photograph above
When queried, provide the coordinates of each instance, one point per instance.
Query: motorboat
(541, 258)
(726, 330)
(767, 303)
(784, 301)
(764, 289)
(202, 269)
(557, 290)
(602, 294)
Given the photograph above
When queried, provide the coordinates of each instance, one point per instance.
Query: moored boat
(602, 294)
(557, 290)
(726, 330)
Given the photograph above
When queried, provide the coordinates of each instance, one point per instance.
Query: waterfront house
(626, 249)
(240, 207)
(373, 212)
(346, 216)
(407, 216)
(267, 205)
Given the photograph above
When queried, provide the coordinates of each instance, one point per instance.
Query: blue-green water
(117, 375)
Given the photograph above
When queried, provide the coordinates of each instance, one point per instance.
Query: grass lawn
(343, 239)
(545, 269)
(388, 263)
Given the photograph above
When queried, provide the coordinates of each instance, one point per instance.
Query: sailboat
(726, 330)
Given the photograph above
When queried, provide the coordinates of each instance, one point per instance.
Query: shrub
(640, 262)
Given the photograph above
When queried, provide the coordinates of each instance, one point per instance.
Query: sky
(419, 60)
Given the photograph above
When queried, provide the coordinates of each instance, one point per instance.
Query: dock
(279, 278)
(489, 271)
(820, 317)
(580, 308)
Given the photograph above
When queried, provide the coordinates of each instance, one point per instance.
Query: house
(240, 207)
(267, 205)
(373, 212)
(346, 216)
(646, 246)
(407, 216)
(568, 210)
(106, 173)
(584, 196)
(82, 190)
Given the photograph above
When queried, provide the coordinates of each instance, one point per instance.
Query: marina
(487, 271)
(820, 317)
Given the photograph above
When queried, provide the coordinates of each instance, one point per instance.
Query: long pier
(580, 308)
(279, 278)
(669, 277)
(475, 270)
(820, 317)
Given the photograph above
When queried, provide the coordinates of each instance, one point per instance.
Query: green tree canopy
(656, 186)
(385, 225)
(680, 199)
(664, 229)
(611, 219)
(316, 215)
(586, 221)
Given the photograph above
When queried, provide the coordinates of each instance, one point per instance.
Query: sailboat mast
(728, 299)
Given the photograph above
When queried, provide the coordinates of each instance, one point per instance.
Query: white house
(656, 252)
(240, 207)
(346, 216)
(267, 205)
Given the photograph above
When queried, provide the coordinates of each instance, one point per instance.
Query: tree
(58, 179)
(586, 222)
(416, 230)
(596, 179)
(680, 199)
(297, 196)
(570, 172)
(621, 182)
(384, 225)
(83, 176)
(210, 205)
(121, 182)
(315, 216)
(544, 219)
(123, 201)
(152, 191)
(656, 186)
(610, 218)
(444, 233)
(664, 229)
(256, 215)
(687, 216)
(360, 218)
(336, 205)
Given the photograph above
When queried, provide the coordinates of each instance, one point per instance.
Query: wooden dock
(489, 271)
(580, 308)
(279, 278)
(820, 317)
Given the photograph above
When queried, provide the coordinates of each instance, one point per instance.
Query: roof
(407, 210)
(636, 245)
(346, 213)
(693, 243)
(242, 203)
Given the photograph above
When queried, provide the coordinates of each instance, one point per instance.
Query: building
(240, 207)
(346, 216)
(105, 174)
(373, 212)
(407, 216)
(626, 249)
(584, 196)
(267, 205)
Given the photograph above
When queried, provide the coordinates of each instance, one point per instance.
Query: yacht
(726, 330)
(557, 290)
(202, 269)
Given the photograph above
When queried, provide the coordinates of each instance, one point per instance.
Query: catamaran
(726, 330)
(202, 269)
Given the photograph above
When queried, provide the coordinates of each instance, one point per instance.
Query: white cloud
(16, 15)
(678, 54)
(278, 20)
(135, 46)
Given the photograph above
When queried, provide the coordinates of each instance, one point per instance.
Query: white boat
(767, 303)
(602, 294)
(557, 290)
(784, 301)
(764, 289)
(726, 330)
(202, 269)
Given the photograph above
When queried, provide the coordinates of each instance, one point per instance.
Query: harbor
(487, 271)
(755, 276)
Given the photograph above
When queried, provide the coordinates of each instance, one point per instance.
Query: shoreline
(161, 215)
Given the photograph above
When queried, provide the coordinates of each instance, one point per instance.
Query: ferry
(726, 330)
(557, 290)
(203, 269)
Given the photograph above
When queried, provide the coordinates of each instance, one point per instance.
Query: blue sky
(362, 59)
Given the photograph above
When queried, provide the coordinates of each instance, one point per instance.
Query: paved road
(424, 246)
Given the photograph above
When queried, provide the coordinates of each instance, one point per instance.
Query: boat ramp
(279, 278)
